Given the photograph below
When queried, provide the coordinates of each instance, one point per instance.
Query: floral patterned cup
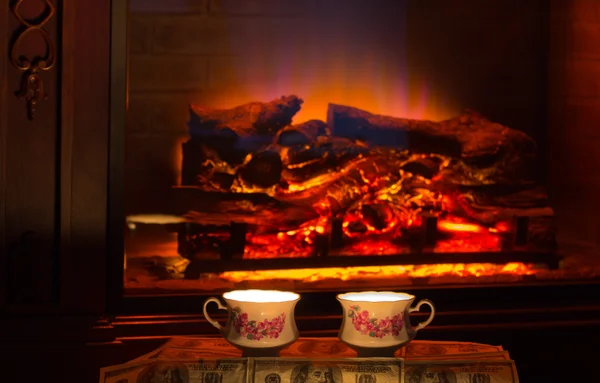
(260, 322)
(377, 323)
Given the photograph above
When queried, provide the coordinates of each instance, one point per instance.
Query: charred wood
(378, 175)
(263, 169)
(302, 134)
(245, 120)
(256, 209)
(488, 152)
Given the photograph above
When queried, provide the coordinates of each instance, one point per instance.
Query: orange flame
(460, 227)
(381, 272)
(352, 64)
(320, 89)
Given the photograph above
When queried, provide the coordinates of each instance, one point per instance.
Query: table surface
(203, 347)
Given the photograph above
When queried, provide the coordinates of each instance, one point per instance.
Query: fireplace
(117, 123)
(313, 145)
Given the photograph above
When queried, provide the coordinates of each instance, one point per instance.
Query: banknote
(351, 370)
(180, 371)
(435, 349)
(467, 371)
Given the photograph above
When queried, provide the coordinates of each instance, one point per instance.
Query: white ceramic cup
(260, 322)
(376, 323)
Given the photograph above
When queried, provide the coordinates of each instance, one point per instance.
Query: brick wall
(443, 56)
(180, 52)
(574, 128)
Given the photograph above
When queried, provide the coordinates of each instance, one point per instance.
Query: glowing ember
(459, 227)
(381, 272)
(300, 243)
(361, 183)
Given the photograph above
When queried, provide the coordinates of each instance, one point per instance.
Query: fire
(381, 272)
(292, 243)
(379, 92)
(178, 159)
(458, 236)
(364, 66)
(460, 227)
(354, 180)
(372, 199)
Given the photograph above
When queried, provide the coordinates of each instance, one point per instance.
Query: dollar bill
(298, 370)
(466, 371)
(180, 371)
(432, 349)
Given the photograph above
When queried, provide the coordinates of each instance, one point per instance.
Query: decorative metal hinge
(32, 85)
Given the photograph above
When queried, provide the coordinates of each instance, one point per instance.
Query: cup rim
(394, 296)
(284, 296)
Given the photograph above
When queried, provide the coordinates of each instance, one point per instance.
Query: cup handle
(208, 318)
(422, 302)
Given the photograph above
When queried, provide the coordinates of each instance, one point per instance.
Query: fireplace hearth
(261, 193)
(332, 143)
(357, 190)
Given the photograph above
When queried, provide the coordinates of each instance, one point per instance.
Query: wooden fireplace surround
(61, 259)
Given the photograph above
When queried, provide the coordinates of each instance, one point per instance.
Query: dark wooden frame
(460, 308)
(76, 114)
(118, 109)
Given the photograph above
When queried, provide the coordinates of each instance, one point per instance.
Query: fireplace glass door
(315, 144)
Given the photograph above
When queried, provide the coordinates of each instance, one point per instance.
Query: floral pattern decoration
(373, 327)
(254, 330)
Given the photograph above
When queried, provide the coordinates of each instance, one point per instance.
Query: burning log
(336, 191)
(478, 143)
(377, 175)
(232, 134)
(244, 120)
(263, 169)
(426, 167)
(378, 216)
(259, 210)
(302, 134)
(325, 155)
(488, 210)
